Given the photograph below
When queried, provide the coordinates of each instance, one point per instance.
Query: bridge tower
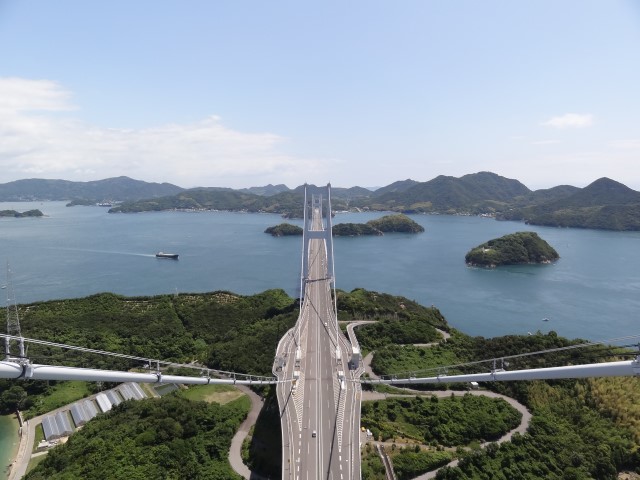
(13, 321)
(317, 198)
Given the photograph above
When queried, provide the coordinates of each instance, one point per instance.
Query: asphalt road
(319, 401)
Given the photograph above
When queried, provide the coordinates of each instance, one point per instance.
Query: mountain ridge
(603, 204)
(114, 188)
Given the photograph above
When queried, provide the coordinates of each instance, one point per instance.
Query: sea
(8, 443)
(592, 292)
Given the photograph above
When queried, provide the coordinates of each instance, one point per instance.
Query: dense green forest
(361, 304)
(221, 330)
(408, 463)
(567, 439)
(461, 349)
(580, 429)
(371, 466)
(513, 249)
(594, 417)
(169, 437)
(400, 330)
(449, 421)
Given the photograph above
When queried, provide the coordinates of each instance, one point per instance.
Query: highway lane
(318, 397)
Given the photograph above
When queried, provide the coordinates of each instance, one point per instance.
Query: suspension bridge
(317, 370)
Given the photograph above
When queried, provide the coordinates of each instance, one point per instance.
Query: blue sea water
(592, 292)
(8, 443)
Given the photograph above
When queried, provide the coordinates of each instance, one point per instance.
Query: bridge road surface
(311, 394)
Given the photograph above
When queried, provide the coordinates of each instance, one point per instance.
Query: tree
(13, 399)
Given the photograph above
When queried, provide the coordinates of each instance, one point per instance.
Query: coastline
(11, 439)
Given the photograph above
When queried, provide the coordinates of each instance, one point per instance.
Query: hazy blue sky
(243, 93)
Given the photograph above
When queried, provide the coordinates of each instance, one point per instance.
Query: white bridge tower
(317, 198)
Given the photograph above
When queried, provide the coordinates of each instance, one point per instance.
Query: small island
(390, 223)
(284, 230)
(514, 249)
(354, 230)
(398, 223)
(16, 214)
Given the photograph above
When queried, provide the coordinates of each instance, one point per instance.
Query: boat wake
(106, 252)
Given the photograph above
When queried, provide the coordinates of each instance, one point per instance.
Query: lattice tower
(13, 320)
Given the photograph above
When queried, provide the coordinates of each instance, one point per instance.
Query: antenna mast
(13, 321)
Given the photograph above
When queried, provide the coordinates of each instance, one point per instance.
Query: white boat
(167, 255)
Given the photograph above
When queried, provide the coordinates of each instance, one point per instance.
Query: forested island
(513, 249)
(284, 230)
(397, 223)
(16, 214)
(389, 223)
(580, 428)
(604, 204)
(354, 230)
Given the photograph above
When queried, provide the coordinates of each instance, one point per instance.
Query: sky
(365, 92)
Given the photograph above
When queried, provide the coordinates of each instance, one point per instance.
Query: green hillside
(119, 188)
(475, 193)
(604, 204)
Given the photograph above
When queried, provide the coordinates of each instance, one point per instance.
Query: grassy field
(39, 436)
(61, 394)
(212, 393)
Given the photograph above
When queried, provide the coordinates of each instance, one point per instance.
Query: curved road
(521, 429)
(235, 452)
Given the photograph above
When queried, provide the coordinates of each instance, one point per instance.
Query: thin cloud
(20, 95)
(630, 144)
(37, 138)
(545, 142)
(570, 120)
